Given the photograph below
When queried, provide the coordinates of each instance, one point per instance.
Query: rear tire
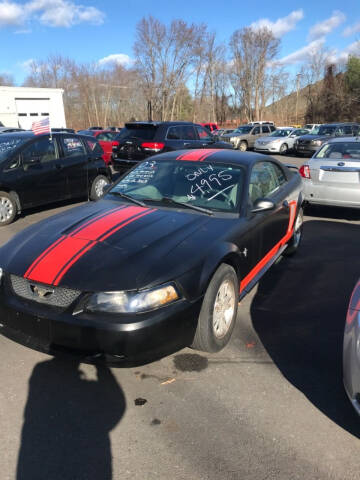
(8, 209)
(295, 240)
(97, 187)
(218, 311)
(283, 149)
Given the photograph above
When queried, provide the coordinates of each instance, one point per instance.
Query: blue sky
(91, 31)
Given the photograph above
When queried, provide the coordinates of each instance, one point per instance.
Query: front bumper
(267, 148)
(306, 149)
(351, 360)
(118, 337)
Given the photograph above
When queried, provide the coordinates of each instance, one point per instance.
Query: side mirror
(262, 205)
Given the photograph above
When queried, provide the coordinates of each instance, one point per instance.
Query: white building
(21, 106)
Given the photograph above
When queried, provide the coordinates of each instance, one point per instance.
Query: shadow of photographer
(67, 421)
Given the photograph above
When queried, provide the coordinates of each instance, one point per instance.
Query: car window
(256, 131)
(272, 128)
(174, 133)
(41, 151)
(340, 150)
(188, 133)
(356, 129)
(264, 181)
(213, 186)
(94, 146)
(144, 132)
(203, 134)
(265, 129)
(105, 136)
(9, 145)
(73, 147)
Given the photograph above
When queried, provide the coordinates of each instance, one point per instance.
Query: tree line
(181, 71)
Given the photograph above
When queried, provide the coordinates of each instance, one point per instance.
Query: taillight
(114, 143)
(153, 146)
(304, 171)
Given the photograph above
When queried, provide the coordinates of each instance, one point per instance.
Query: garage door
(30, 110)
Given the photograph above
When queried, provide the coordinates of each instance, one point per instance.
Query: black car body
(139, 140)
(88, 280)
(309, 144)
(39, 169)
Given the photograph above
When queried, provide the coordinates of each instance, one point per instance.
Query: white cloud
(10, 14)
(343, 55)
(352, 30)
(323, 28)
(117, 58)
(281, 25)
(53, 13)
(26, 64)
(302, 54)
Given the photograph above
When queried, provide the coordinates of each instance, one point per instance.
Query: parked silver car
(351, 350)
(332, 175)
(279, 141)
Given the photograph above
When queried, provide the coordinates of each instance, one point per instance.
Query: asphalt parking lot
(271, 405)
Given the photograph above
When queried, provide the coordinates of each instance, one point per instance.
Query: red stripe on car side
(259, 266)
(58, 258)
(197, 155)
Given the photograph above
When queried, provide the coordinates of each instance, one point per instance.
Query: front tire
(97, 187)
(8, 209)
(283, 148)
(243, 146)
(295, 240)
(218, 312)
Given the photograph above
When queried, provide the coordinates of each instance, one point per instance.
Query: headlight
(132, 302)
(317, 142)
(1, 274)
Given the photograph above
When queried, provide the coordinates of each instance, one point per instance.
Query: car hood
(109, 245)
(315, 137)
(267, 139)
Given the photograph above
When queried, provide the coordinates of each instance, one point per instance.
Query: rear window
(86, 132)
(340, 150)
(327, 130)
(143, 132)
(9, 144)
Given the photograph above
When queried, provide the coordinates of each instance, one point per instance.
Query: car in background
(312, 127)
(243, 138)
(310, 143)
(332, 175)
(139, 140)
(106, 138)
(223, 131)
(62, 130)
(212, 127)
(11, 129)
(351, 350)
(261, 122)
(280, 141)
(159, 263)
(37, 170)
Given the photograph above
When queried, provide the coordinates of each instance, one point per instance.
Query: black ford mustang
(157, 264)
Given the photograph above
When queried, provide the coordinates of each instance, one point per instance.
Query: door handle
(186, 144)
(286, 204)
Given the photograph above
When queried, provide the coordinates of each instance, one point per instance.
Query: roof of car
(338, 124)
(344, 139)
(156, 124)
(217, 156)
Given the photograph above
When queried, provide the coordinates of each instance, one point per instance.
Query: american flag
(42, 126)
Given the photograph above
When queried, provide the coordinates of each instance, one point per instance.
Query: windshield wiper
(127, 197)
(188, 205)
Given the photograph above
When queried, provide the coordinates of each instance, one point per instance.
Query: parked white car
(280, 141)
(332, 175)
(312, 127)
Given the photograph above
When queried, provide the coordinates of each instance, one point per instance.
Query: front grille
(304, 142)
(55, 296)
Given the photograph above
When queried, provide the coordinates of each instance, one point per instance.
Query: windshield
(325, 130)
(144, 132)
(9, 144)
(212, 186)
(281, 133)
(336, 150)
(243, 130)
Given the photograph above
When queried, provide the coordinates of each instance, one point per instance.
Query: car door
(175, 138)
(267, 180)
(106, 141)
(74, 163)
(42, 179)
(205, 139)
(255, 133)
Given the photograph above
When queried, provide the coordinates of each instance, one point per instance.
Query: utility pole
(297, 96)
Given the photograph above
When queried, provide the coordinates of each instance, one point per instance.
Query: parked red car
(210, 126)
(106, 140)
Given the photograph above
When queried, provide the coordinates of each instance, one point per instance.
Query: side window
(263, 181)
(256, 131)
(265, 129)
(174, 133)
(272, 128)
(347, 130)
(356, 129)
(278, 173)
(73, 147)
(104, 136)
(41, 151)
(188, 133)
(94, 146)
(203, 134)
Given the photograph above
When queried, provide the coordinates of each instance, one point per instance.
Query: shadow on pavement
(299, 313)
(339, 213)
(67, 421)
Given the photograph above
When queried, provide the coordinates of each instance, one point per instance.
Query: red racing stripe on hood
(51, 265)
(197, 155)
